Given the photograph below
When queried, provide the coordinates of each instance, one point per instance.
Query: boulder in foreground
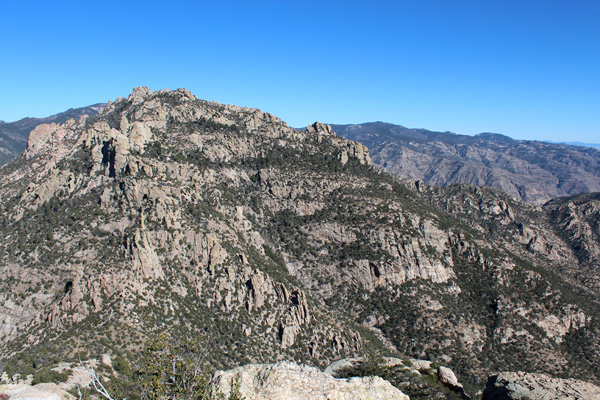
(290, 381)
(42, 391)
(522, 385)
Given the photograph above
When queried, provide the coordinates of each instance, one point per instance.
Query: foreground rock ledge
(290, 381)
(522, 385)
(42, 391)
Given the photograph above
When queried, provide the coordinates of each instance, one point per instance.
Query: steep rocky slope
(562, 235)
(14, 135)
(519, 385)
(166, 213)
(529, 170)
(577, 220)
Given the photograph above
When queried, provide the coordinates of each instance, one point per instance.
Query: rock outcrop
(521, 385)
(42, 391)
(15, 136)
(290, 381)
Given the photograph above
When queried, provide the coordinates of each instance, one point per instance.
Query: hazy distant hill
(595, 145)
(529, 170)
(14, 135)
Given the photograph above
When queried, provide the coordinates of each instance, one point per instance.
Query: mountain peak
(140, 92)
(164, 170)
(319, 127)
(495, 137)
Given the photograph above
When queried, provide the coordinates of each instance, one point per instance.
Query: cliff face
(528, 170)
(166, 213)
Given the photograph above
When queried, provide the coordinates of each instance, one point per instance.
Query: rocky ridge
(528, 170)
(166, 213)
(14, 135)
(42, 391)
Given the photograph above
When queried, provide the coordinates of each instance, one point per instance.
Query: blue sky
(527, 69)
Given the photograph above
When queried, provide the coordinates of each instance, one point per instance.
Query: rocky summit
(170, 216)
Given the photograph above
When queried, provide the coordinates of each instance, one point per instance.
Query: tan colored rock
(42, 391)
(358, 151)
(54, 315)
(41, 133)
(319, 127)
(139, 135)
(145, 259)
(282, 293)
(297, 316)
(288, 335)
(258, 285)
(105, 359)
(448, 378)
(558, 326)
(421, 365)
(290, 381)
(217, 254)
(139, 94)
(338, 366)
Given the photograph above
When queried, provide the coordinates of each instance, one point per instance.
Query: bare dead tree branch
(96, 381)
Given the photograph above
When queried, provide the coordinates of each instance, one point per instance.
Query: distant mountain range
(528, 170)
(595, 145)
(14, 135)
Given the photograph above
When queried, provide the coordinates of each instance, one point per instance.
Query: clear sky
(529, 69)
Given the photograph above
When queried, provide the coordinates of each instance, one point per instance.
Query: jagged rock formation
(287, 380)
(529, 170)
(14, 135)
(520, 385)
(166, 213)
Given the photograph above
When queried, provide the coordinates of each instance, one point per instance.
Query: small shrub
(47, 375)
(121, 365)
